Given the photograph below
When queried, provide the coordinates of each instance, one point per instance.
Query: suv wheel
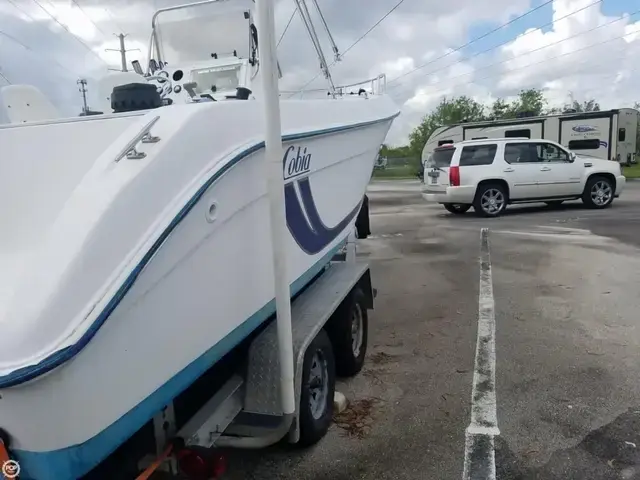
(491, 200)
(598, 193)
(457, 208)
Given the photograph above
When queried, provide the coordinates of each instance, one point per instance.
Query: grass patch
(395, 173)
(631, 172)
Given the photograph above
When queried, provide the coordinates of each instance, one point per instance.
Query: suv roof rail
(489, 140)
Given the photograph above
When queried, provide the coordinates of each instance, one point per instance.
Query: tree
(586, 106)
(459, 109)
(448, 112)
(395, 152)
(420, 134)
(573, 104)
(531, 100)
(499, 109)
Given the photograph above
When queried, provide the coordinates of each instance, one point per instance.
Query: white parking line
(384, 235)
(479, 454)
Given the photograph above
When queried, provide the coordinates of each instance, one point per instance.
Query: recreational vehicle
(608, 134)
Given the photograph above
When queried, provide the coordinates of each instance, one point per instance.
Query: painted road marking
(384, 235)
(479, 451)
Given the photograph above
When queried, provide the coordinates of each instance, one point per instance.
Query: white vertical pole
(275, 188)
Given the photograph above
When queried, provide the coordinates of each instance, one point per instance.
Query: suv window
(441, 157)
(520, 153)
(533, 153)
(478, 155)
(547, 152)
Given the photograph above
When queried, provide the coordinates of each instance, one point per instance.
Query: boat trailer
(329, 327)
(329, 331)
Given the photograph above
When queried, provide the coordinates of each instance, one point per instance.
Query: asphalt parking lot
(567, 347)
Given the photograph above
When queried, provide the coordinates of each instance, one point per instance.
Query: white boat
(135, 248)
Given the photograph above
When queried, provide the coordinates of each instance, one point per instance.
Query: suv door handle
(545, 169)
(509, 169)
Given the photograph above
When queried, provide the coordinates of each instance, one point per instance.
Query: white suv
(488, 174)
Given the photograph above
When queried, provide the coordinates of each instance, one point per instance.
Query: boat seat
(25, 103)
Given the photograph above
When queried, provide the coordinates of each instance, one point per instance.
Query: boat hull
(200, 289)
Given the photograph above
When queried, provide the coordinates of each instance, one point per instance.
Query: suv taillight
(454, 176)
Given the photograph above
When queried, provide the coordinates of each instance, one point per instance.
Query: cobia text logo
(296, 161)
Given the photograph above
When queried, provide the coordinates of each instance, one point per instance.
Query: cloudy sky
(586, 48)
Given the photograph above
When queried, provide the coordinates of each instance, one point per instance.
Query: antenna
(123, 53)
(306, 19)
(334, 47)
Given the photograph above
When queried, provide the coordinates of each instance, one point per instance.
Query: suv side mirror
(572, 157)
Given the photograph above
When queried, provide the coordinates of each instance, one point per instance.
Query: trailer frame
(245, 412)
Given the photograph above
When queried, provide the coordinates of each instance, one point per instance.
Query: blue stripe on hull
(72, 462)
(314, 237)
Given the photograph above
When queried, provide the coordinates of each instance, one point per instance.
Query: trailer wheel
(5, 438)
(363, 227)
(318, 389)
(349, 330)
(457, 208)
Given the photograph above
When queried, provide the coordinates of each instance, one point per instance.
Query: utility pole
(123, 53)
(83, 89)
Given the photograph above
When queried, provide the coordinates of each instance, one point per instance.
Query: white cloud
(418, 32)
(399, 66)
(541, 59)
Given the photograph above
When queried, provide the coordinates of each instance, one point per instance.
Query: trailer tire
(349, 330)
(318, 388)
(457, 208)
(363, 226)
(5, 438)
